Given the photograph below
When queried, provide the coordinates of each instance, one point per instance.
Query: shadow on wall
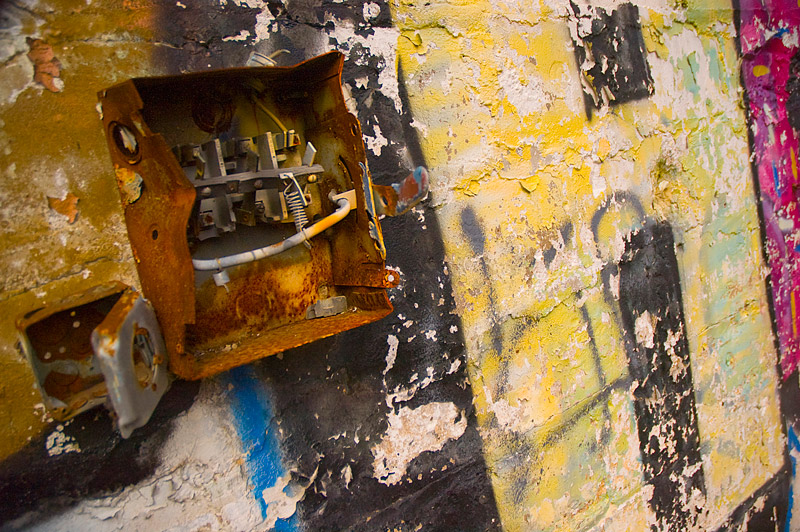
(643, 289)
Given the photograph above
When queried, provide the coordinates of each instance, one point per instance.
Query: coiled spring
(296, 203)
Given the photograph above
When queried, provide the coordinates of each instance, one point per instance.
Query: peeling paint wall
(595, 325)
(619, 257)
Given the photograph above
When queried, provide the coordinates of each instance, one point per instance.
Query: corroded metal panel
(248, 311)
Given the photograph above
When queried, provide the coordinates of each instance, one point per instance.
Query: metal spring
(294, 203)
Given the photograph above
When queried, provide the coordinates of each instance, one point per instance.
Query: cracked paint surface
(530, 199)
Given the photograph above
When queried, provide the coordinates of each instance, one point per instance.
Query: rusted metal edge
(74, 300)
(156, 219)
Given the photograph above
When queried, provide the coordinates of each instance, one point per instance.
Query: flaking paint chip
(530, 184)
(46, 66)
(67, 207)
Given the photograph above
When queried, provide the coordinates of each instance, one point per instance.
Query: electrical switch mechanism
(102, 346)
(240, 183)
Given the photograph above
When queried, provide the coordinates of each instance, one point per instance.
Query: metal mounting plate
(131, 353)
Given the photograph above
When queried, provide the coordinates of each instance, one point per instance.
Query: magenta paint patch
(768, 36)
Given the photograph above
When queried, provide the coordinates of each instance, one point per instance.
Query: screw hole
(354, 130)
(126, 141)
(155, 234)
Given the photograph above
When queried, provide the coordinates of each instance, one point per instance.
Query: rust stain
(258, 299)
(46, 66)
(64, 386)
(387, 198)
(67, 207)
(257, 345)
(129, 183)
(113, 320)
(57, 340)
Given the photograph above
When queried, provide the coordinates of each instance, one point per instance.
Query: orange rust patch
(67, 207)
(65, 386)
(46, 66)
(129, 183)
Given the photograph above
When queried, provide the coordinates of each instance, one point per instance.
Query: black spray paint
(619, 72)
(651, 308)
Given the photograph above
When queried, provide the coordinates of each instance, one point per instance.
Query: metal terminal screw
(232, 186)
(312, 178)
(205, 192)
(258, 184)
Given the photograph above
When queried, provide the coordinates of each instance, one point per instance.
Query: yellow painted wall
(51, 145)
(495, 93)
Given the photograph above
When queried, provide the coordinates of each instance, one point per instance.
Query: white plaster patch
(526, 98)
(507, 416)
(382, 42)
(659, 6)
(361, 82)
(371, 10)
(454, 366)
(391, 356)
(15, 77)
(200, 483)
(375, 144)
(412, 432)
(59, 443)
(282, 498)
(420, 126)
(264, 21)
(645, 329)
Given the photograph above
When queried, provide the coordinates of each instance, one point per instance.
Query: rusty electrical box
(254, 225)
(102, 346)
(250, 209)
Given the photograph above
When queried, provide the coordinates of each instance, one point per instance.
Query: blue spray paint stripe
(777, 181)
(252, 413)
(794, 443)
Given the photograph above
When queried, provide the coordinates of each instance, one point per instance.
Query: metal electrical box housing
(249, 208)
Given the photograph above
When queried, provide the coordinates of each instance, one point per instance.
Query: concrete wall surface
(596, 326)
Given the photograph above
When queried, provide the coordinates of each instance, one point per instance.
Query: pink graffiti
(768, 36)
